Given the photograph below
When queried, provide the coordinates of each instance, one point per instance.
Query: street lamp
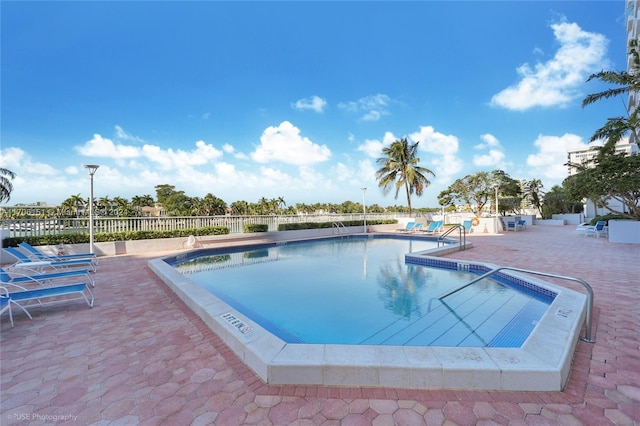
(364, 209)
(496, 186)
(92, 170)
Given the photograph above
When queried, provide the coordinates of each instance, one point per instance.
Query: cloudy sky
(296, 99)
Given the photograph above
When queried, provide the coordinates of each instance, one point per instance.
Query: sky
(245, 100)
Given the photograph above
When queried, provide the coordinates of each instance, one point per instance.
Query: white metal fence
(38, 227)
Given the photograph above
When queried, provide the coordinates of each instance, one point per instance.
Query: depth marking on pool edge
(236, 322)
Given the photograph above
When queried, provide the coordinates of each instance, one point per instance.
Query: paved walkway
(141, 357)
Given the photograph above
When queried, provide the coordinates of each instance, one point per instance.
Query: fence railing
(39, 227)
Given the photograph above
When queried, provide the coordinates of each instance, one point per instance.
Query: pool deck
(140, 356)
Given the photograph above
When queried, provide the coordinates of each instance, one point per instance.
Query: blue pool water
(360, 290)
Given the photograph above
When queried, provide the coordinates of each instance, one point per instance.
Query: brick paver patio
(140, 356)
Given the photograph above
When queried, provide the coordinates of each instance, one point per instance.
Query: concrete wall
(570, 218)
(624, 231)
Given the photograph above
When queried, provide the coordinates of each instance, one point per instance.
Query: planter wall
(624, 231)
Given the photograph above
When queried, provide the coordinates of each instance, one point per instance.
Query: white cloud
(314, 103)
(443, 149)
(103, 147)
(493, 158)
(435, 142)
(20, 162)
(372, 147)
(372, 108)
(488, 141)
(284, 143)
(549, 162)
(179, 159)
(557, 81)
(122, 135)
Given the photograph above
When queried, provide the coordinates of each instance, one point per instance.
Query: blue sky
(296, 99)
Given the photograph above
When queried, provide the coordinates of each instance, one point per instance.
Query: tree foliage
(558, 201)
(477, 190)
(6, 186)
(618, 127)
(612, 177)
(399, 169)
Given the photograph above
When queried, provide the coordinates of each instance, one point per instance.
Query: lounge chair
(25, 295)
(417, 227)
(5, 303)
(38, 255)
(600, 228)
(43, 278)
(516, 226)
(25, 261)
(468, 226)
(433, 227)
(407, 228)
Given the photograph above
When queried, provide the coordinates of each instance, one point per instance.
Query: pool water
(360, 291)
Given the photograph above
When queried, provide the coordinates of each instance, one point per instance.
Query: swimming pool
(360, 290)
(541, 363)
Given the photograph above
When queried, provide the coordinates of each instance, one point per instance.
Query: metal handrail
(342, 231)
(587, 336)
(462, 235)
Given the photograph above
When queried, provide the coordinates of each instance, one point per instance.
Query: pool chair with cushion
(600, 228)
(26, 262)
(516, 226)
(417, 227)
(5, 303)
(407, 228)
(56, 293)
(38, 255)
(19, 277)
(434, 227)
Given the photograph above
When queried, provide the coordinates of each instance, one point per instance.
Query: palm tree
(533, 191)
(6, 187)
(617, 127)
(400, 169)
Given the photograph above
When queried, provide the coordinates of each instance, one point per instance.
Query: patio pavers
(140, 356)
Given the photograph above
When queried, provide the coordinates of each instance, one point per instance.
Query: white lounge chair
(600, 228)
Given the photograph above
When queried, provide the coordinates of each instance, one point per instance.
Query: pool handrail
(462, 235)
(342, 230)
(587, 337)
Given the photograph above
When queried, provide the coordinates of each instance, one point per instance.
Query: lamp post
(496, 186)
(364, 209)
(92, 170)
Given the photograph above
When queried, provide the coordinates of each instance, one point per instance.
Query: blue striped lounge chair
(38, 255)
(408, 227)
(27, 262)
(27, 295)
(5, 303)
(16, 277)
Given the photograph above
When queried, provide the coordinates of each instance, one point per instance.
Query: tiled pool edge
(543, 363)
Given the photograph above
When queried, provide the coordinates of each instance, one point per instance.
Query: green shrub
(79, 238)
(255, 227)
(607, 217)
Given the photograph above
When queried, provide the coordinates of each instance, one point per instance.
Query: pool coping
(542, 363)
